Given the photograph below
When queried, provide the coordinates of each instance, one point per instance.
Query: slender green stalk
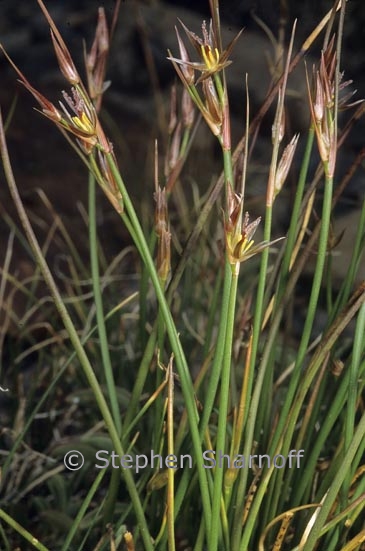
(141, 377)
(23, 532)
(104, 347)
(82, 510)
(353, 268)
(320, 356)
(224, 314)
(219, 353)
(131, 220)
(171, 451)
(312, 307)
(72, 332)
(214, 533)
(199, 544)
(222, 362)
(254, 402)
(214, 305)
(334, 488)
(330, 419)
(143, 290)
(294, 228)
(358, 350)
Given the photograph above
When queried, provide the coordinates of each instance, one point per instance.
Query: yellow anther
(211, 57)
(84, 124)
(241, 248)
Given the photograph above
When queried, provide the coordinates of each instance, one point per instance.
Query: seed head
(95, 61)
(285, 163)
(212, 60)
(239, 235)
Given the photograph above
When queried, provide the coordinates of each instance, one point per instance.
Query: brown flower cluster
(77, 113)
(323, 105)
(239, 233)
(211, 97)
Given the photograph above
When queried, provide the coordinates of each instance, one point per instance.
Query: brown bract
(64, 58)
(95, 61)
(323, 108)
(77, 114)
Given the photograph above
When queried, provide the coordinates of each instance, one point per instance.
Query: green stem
(337, 405)
(131, 220)
(213, 536)
(103, 338)
(358, 349)
(294, 226)
(219, 352)
(73, 334)
(327, 504)
(308, 324)
(254, 403)
(354, 264)
(320, 356)
(224, 313)
(22, 531)
(82, 510)
(171, 451)
(142, 374)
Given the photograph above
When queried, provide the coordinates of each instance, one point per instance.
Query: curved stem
(131, 220)
(73, 334)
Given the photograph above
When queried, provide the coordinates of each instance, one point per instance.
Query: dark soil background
(24, 32)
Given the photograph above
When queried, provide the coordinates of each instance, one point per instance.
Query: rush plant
(225, 429)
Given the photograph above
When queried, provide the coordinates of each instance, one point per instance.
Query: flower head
(285, 164)
(82, 120)
(163, 234)
(323, 108)
(95, 61)
(240, 244)
(212, 60)
(212, 100)
(64, 58)
(77, 114)
(239, 235)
